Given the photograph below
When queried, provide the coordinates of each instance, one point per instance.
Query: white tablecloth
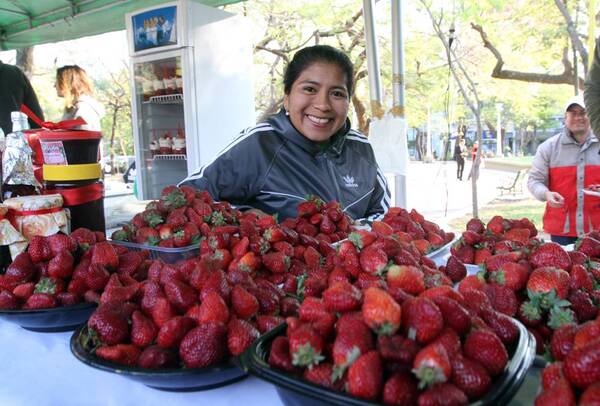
(39, 369)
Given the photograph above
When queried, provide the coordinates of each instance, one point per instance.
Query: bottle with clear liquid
(17, 167)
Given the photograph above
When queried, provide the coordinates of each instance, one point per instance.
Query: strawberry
(306, 346)
(502, 325)
(580, 279)
(470, 377)
(213, 308)
(380, 311)
(454, 314)
(591, 396)
(495, 262)
(502, 299)
(84, 237)
(449, 339)
(471, 238)
(475, 225)
(588, 246)
(455, 269)
(51, 286)
(125, 354)
(550, 254)
(307, 208)
(543, 280)
(342, 297)
(463, 252)
(204, 345)
(155, 357)
(59, 242)
(40, 301)
(105, 254)
(143, 330)
(180, 294)
(321, 375)
(400, 389)
(279, 356)
(518, 234)
(476, 300)
(8, 301)
(266, 323)
(512, 275)
(472, 282)
(20, 270)
(365, 376)
(432, 365)
(586, 333)
(240, 336)
(486, 348)
(424, 320)
(381, 229)
(362, 238)
(408, 278)
(481, 254)
(172, 332)
(561, 394)
(552, 374)
(352, 341)
(162, 311)
(243, 303)
(277, 262)
(249, 262)
(39, 249)
(61, 266)
(24, 290)
(110, 323)
(582, 305)
(373, 260)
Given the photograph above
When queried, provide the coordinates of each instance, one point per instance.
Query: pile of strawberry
(499, 235)
(179, 218)
(412, 227)
(62, 270)
(539, 283)
(575, 376)
(193, 314)
(389, 327)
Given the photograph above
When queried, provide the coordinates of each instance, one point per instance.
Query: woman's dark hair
(318, 53)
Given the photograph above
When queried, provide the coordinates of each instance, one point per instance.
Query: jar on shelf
(154, 148)
(165, 144)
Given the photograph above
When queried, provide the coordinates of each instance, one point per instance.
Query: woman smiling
(308, 148)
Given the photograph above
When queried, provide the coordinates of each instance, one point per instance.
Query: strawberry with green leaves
(550, 254)
(306, 346)
(365, 376)
(380, 311)
(240, 336)
(423, 319)
(546, 279)
(432, 365)
(406, 277)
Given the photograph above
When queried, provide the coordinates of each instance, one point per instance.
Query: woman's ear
(286, 103)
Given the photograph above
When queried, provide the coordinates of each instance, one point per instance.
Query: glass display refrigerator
(191, 74)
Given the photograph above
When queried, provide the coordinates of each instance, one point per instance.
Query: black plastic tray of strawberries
(294, 391)
(166, 379)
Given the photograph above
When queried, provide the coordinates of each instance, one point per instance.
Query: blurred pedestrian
(460, 153)
(15, 90)
(75, 87)
(563, 167)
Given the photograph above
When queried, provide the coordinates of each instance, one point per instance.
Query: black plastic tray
(167, 255)
(295, 391)
(63, 318)
(172, 379)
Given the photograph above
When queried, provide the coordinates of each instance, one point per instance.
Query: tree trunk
(25, 60)
(475, 168)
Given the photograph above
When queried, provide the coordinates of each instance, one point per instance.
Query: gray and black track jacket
(272, 167)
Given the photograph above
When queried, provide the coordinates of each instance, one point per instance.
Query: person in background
(460, 153)
(15, 90)
(474, 150)
(75, 87)
(308, 148)
(564, 166)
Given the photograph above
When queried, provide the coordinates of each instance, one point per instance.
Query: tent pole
(398, 88)
(372, 59)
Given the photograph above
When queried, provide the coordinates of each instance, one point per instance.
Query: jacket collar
(567, 138)
(283, 126)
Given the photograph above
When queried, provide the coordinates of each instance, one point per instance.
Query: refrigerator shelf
(166, 99)
(170, 157)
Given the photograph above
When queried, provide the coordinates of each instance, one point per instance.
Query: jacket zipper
(338, 192)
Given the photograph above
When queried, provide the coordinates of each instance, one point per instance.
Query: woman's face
(318, 101)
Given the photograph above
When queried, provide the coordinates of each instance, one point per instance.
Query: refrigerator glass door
(160, 124)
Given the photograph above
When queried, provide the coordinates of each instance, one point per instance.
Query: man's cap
(578, 100)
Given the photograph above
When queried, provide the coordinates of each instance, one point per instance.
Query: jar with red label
(154, 148)
(165, 144)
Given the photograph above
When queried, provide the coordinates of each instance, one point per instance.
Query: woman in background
(75, 87)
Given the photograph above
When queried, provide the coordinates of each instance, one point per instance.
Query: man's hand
(555, 199)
